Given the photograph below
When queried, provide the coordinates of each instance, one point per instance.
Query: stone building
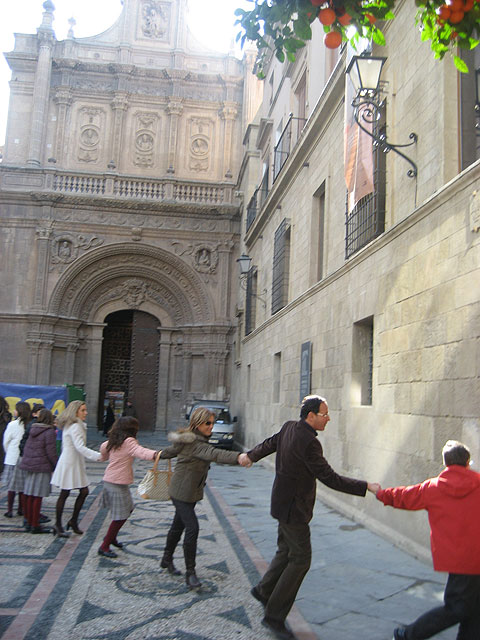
(374, 306)
(120, 218)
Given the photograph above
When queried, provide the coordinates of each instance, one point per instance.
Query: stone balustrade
(109, 185)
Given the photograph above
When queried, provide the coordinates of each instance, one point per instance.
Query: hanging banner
(54, 398)
(358, 150)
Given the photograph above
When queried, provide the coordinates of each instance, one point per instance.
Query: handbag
(154, 485)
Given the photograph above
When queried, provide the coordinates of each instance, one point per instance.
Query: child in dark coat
(38, 462)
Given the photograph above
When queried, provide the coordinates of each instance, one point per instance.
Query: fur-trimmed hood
(182, 437)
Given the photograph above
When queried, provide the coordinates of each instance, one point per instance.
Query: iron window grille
(286, 143)
(256, 201)
(250, 308)
(281, 259)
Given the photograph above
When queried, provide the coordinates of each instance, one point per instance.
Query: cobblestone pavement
(359, 587)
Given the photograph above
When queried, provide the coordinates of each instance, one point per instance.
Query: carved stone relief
(89, 134)
(154, 20)
(204, 256)
(145, 138)
(200, 142)
(66, 246)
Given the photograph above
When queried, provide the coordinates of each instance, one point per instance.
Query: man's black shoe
(399, 633)
(258, 596)
(278, 629)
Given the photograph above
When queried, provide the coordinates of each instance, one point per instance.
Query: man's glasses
(323, 415)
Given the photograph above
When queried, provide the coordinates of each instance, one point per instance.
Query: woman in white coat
(11, 443)
(70, 472)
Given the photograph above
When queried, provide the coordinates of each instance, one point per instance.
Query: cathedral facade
(121, 220)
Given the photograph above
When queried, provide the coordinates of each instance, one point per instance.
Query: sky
(93, 17)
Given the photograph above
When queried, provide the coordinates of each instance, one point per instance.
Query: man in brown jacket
(298, 464)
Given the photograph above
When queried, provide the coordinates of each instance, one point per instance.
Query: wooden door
(143, 378)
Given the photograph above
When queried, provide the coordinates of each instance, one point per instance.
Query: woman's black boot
(192, 581)
(190, 554)
(167, 563)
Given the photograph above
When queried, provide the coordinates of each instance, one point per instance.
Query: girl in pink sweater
(120, 450)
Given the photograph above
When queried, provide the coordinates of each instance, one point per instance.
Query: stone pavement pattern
(359, 587)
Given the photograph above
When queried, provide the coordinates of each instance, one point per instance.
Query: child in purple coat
(38, 462)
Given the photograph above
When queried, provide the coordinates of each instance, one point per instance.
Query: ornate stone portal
(126, 208)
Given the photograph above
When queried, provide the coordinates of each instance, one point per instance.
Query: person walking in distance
(70, 472)
(452, 501)
(299, 463)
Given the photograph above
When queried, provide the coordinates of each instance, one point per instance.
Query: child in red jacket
(120, 450)
(453, 503)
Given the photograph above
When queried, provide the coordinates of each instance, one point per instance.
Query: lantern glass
(244, 263)
(369, 71)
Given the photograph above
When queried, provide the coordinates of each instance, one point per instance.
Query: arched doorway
(129, 364)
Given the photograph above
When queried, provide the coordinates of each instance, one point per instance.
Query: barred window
(366, 221)
(250, 307)
(281, 260)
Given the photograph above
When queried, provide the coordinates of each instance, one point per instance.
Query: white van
(224, 428)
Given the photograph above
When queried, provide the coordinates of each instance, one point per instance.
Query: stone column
(41, 278)
(229, 113)
(63, 98)
(174, 110)
(164, 364)
(33, 356)
(220, 372)
(72, 348)
(41, 87)
(224, 276)
(44, 362)
(187, 374)
(119, 106)
(94, 363)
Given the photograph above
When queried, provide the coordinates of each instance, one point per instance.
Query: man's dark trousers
(283, 578)
(462, 605)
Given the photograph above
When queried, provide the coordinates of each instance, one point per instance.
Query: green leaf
(302, 28)
(460, 64)
(378, 37)
(280, 55)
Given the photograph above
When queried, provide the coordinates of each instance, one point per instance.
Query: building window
(250, 307)
(249, 377)
(318, 234)
(366, 221)
(362, 362)
(281, 260)
(277, 370)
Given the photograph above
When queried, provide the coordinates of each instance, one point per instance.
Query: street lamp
(244, 263)
(364, 72)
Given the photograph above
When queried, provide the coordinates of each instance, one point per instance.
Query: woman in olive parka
(194, 454)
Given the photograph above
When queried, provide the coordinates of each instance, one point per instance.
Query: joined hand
(244, 460)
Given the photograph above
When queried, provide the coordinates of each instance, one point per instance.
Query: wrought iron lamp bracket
(368, 109)
(262, 298)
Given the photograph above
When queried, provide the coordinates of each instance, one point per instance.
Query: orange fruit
(468, 5)
(345, 19)
(455, 5)
(456, 17)
(444, 12)
(317, 3)
(332, 39)
(327, 16)
(371, 18)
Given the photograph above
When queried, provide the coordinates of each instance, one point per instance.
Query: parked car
(223, 432)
